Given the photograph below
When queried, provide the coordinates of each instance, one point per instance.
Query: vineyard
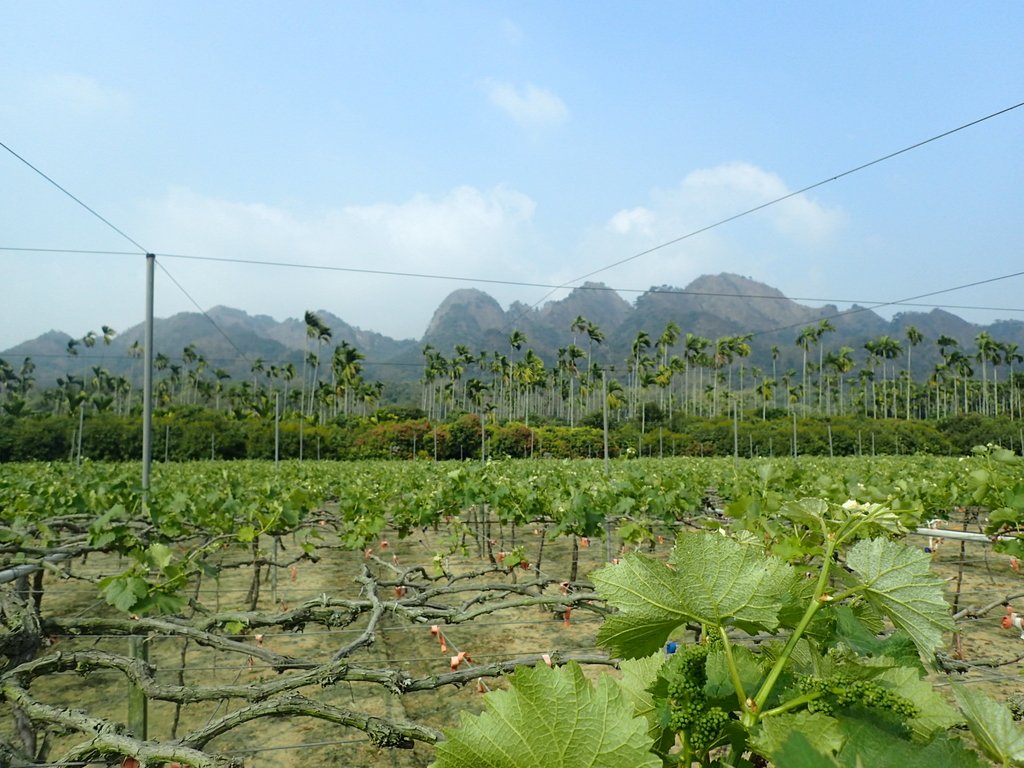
(645, 612)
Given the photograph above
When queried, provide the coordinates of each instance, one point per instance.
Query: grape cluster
(705, 731)
(840, 691)
(685, 674)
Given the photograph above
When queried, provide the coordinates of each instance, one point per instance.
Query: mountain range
(711, 306)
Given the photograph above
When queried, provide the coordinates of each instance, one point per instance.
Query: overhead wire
(570, 283)
(858, 305)
(875, 303)
(782, 198)
(78, 200)
(553, 288)
(838, 315)
(202, 311)
(858, 310)
(144, 251)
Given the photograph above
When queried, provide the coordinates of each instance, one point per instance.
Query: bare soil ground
(991, 653)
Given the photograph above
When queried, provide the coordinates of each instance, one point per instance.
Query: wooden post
(138, 704)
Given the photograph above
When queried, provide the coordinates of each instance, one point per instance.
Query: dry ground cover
(978, 581)
(398, 645)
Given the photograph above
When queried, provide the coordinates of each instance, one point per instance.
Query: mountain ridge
(711, 306)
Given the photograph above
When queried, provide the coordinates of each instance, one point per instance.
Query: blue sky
(529, 141)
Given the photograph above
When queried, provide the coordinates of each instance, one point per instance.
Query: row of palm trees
(676, 372)
(322, 392)
(705, 377)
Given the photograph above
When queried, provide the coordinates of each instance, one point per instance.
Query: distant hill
(711, 306)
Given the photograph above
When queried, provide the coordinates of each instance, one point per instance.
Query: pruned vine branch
(424, 600)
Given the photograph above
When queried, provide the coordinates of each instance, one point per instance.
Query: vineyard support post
(138, 706)
(794, 434)
(735, 432)
(147, 379)
(607, 466)
(81, 425)
(273, 572)
(138, 709)
(277, 429)
(604, 414)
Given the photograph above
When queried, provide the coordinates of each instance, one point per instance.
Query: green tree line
(667, 382)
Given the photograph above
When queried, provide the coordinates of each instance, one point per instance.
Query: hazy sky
(527, 141)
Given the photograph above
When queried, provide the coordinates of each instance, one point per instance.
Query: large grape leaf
(870, 747)
(799, 752)
(820, 732)
(811, 741)
(992, 726)
(899, 583)
(935, 714)
(709, 579)
(638, 675)
(553, 718)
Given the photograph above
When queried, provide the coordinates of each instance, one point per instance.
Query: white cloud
(762, 244)
(467, 232)
(78, 94)
(732, 188)
(454, 225)
(512, 31)
(638, 219)
(528, 105)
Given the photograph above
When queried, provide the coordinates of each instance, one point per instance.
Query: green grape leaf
(992, 726)
(124, 592)
(553, 718)
(867, 745)
(852, 631)
(898, 582)
(719, 683)
(797, 750)
(650, 599)
(709, 579)
(158, 556)
(638, 675)
(935, 714)
(158, 601)
(821, 732)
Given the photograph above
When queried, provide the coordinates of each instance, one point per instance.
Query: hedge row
(200, 434)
